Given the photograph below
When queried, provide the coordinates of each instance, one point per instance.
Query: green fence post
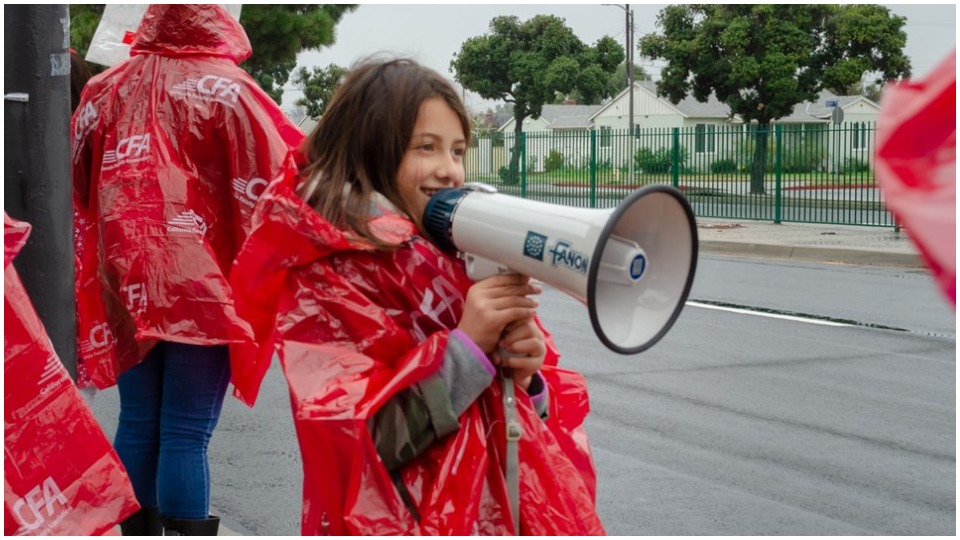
(523, 164)
(593, 168)
(778, 200)
(676, 158)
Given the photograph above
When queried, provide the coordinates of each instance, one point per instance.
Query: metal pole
(630, 61)
(37, 184)
(630, 138)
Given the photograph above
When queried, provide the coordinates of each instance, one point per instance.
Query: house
(708, 131)
(489, 153)
(557, 118)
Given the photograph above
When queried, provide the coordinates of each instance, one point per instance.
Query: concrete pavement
(880, 246)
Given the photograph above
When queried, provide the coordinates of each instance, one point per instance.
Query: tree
(618, 80)
(318, 87)
(525, 64)
(84, 19)
(277, 33)
(616, 83)
(871, 91)
(761, 60)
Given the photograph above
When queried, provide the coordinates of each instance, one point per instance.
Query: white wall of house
(648, 112)
(529, 124)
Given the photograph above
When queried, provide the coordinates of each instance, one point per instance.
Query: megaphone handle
(514, 433)
(481, 268)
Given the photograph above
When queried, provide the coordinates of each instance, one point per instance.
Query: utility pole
(628, 45)
(629, 13)
(37, 185)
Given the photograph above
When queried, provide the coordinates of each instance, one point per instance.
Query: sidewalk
(805, 242)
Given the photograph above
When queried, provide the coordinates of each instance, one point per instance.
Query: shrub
(532, 163)
(724, 166)
(508, 177)
(854, 166)
(553, 161)
(649, 161)
(659, 161)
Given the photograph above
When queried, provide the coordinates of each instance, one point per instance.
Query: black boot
(191, 527)
(143, 522)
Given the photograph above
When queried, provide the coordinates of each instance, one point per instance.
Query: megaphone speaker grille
(438, 217)
(642, 269)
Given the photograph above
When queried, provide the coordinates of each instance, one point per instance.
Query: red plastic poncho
(344, 355)
(917, 166)
(171, 150)
(61, 476)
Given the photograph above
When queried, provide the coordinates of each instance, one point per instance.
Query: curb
(812, 254)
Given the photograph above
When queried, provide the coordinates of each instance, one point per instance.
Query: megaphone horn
(632, 266)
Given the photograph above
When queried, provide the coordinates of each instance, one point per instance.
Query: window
(706, 139)
(861, 136)
(605, 136)
(815, 134)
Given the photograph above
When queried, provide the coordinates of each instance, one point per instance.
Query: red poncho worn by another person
(171, 150)
(917, 166)
(353, 326)
(61, 476)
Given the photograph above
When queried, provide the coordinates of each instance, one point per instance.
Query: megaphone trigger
(633, 266)
(480, 268)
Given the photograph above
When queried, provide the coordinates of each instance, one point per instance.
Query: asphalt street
(790, 398)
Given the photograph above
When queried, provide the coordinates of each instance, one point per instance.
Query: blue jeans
(169, 406)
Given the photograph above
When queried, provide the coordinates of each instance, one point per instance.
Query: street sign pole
(37, 185)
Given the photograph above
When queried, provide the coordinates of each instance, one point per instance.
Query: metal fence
(811, 173)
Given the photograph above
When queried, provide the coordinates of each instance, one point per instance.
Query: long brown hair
(80, 73)
(358, 145)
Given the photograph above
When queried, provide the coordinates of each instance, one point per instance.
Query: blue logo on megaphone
(534, 245)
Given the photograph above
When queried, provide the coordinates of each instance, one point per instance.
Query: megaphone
(632, 266)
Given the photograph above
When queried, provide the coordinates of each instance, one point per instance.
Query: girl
(389, 349)
(168, 150)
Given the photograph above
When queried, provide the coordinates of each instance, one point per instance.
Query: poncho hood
(179, 30)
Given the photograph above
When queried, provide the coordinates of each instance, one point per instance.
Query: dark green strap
(405, 494)
(514, 433)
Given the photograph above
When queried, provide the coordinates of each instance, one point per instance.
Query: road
(762, 423)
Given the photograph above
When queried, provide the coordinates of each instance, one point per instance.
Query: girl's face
(434, 159)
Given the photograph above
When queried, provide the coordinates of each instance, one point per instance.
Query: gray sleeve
(409, 422)
(465, 375)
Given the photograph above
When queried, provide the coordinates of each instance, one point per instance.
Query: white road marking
(772, 315)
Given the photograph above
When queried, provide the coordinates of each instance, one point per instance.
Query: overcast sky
(432, 34)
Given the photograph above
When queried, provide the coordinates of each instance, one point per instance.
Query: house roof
(820, 109)
(571, 122)
(582, 116)
(566, 116)
(690, 107)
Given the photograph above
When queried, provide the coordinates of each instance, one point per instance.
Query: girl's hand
(495, 302)
(521, 349)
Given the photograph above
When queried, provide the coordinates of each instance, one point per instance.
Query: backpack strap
(514, 433)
